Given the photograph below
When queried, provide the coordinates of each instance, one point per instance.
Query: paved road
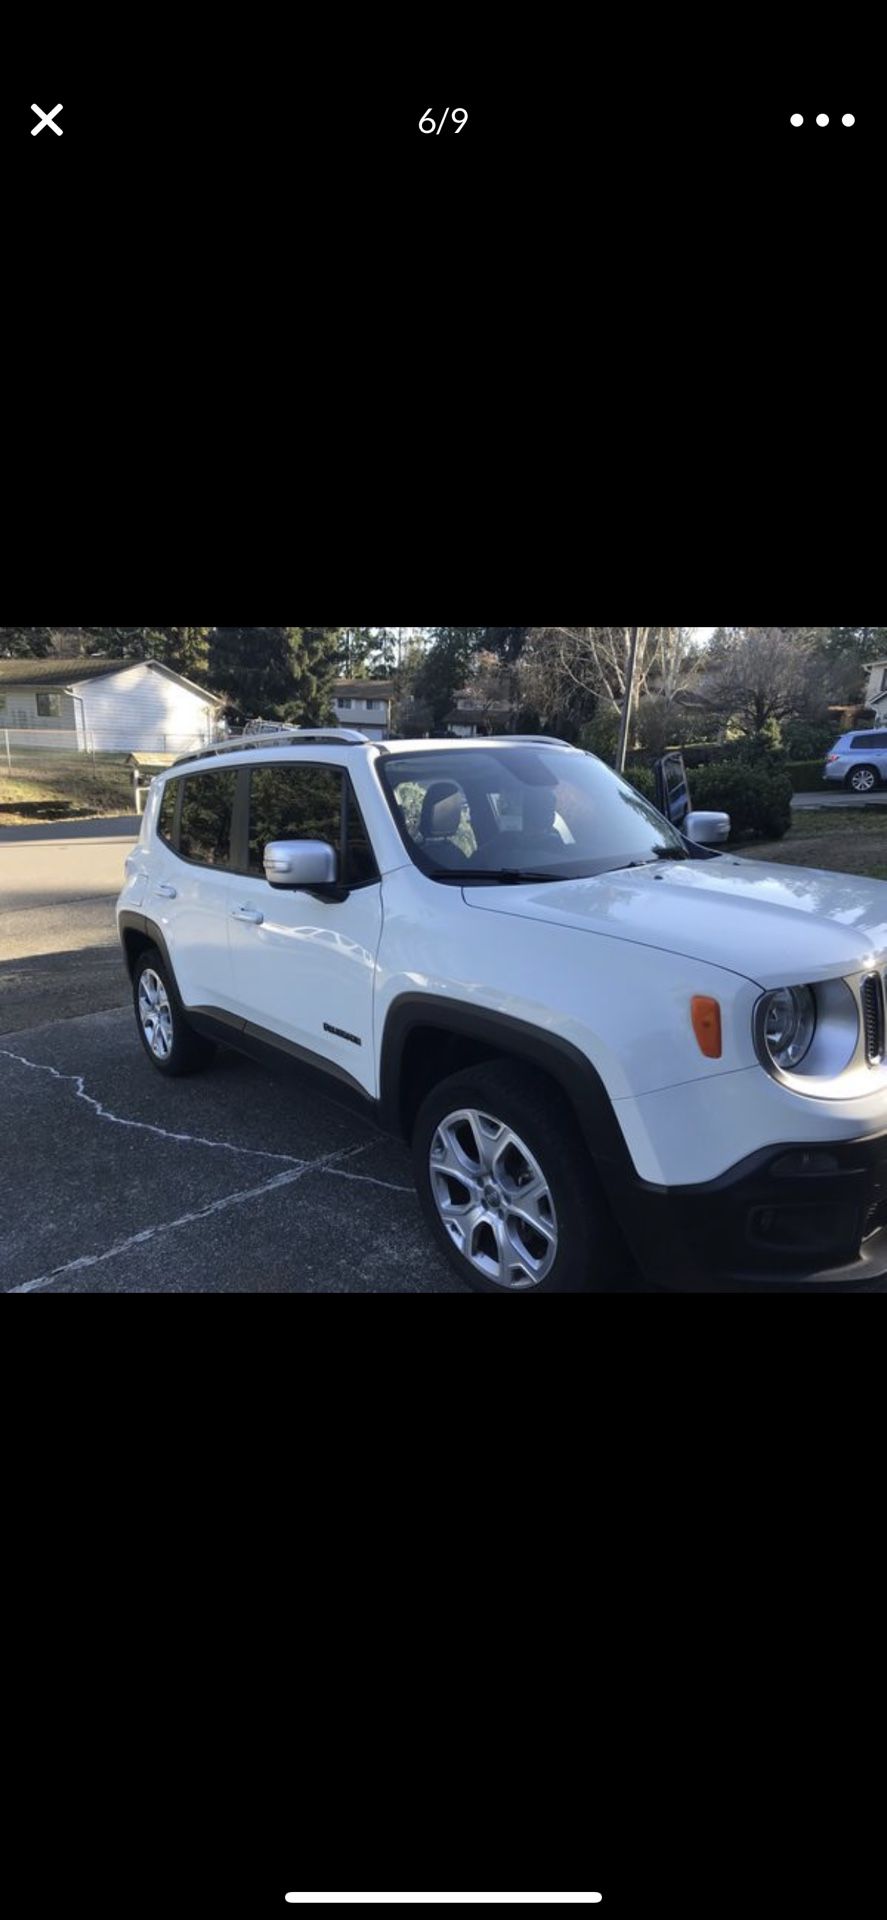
(803, 802)
(58, 940)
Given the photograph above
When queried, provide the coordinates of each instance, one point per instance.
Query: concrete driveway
(803, 802)
(58, 940)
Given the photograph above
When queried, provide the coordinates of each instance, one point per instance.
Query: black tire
(189, 1052)
(589, 1251)
(851, 777)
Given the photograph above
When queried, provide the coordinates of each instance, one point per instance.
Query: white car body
(600, 970)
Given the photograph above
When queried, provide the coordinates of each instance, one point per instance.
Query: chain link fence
(51, 773)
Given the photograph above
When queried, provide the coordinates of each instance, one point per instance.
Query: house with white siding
(876, 691)
(366, 705)
(105, 706)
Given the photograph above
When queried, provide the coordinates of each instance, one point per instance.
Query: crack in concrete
(324, 1164)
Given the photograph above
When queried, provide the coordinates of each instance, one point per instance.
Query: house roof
(54, 672)
(72, 673)
(371, 689)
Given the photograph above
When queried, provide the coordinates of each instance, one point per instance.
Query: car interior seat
(442, 811)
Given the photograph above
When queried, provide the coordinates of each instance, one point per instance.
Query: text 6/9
(427, 124)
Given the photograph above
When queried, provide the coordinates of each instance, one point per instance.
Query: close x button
(46, 119)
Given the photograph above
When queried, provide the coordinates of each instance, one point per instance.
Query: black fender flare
(513, 1039)
(131, 922)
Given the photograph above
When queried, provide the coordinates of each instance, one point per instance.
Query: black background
(599, 1599)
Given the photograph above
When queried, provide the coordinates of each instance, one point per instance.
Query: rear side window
(207, 812)
(869, 742)
(166, 818)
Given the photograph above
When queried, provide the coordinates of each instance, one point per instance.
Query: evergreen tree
(118, 643)
(184, 649)
(25, 643)
(508, 642)
(255, 668)
(317, 653)
(358, 646)
(445, 668)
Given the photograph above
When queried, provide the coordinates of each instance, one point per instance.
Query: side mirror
(707, 829)
(301, 863)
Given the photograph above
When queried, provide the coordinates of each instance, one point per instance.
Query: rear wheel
(171, 1044)
(862, 780)
(507, 1187)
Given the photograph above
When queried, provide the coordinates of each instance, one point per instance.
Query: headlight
(787, 1025)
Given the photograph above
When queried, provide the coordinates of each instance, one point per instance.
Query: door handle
(251, 914)
(168, 893)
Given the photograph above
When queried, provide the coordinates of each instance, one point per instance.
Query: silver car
(858, 761)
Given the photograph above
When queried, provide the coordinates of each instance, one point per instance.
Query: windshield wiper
(667, 853)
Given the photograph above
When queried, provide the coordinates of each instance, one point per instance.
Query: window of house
(2, 703)
(49, 705)
(207, 813)
(372, 703)
(884, 679)
(344, 703)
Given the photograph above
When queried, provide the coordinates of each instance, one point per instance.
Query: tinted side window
(869, 742)
(166, 818)
(361, 859)
(293, 803)
(207, 810)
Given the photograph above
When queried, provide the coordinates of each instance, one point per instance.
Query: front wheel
(863, 780)
(507, 1187)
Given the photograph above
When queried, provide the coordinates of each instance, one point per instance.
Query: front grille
(873, 1018)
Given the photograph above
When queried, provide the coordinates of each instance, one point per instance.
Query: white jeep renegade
(609, 1046)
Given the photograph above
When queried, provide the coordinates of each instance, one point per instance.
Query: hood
(776, 925)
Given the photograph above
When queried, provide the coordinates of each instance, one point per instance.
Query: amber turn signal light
(706, 1015)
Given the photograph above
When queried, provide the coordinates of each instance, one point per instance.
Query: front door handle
(168, 893)
(251, 914)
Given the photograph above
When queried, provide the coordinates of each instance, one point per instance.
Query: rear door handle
(251, 914)
(168, 893)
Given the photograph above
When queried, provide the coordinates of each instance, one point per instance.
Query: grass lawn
(842, 840)
(61, 786)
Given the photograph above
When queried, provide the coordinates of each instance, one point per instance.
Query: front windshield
(500, 812)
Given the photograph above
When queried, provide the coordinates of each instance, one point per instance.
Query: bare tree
(560, 664)
(758, 674)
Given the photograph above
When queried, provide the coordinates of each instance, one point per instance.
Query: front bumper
(786, 1216)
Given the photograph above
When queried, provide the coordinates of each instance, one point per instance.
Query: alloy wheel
(155, 1014)
(493, 1199)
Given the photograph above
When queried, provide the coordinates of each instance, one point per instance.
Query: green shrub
(804, 739)
(765, 746)
(601, 735)
(758, 802)
(643, 781)
(805, 775)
